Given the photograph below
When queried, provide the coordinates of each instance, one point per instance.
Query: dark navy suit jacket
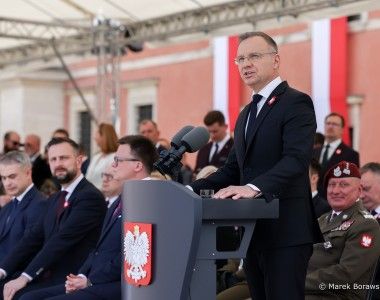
(54, 249)
(29, 210)
(276, 160)
(103, 265)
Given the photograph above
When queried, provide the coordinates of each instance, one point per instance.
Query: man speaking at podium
(270, 157)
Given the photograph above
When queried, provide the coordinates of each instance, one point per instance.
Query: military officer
(341, 267)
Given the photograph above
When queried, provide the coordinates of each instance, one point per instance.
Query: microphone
(176, 140)
(192, 141)
(195, 139)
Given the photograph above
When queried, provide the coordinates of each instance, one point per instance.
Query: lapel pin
(272, 100)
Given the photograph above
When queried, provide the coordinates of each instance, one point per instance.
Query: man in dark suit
(333, 150)
(40, 169)
(100, 275)
(273, 143)
(149, 129)
(216, 151)
(64, 236)
(320, 203)
(370, 182)
(19, 216)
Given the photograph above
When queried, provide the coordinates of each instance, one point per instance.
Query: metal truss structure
(79, 39)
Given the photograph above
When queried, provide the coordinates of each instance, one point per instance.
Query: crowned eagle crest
(136, 253)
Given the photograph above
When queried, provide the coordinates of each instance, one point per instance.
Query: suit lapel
(280, 89)
(21, 206)
(72, 198)
(239, 133)
(109, 220)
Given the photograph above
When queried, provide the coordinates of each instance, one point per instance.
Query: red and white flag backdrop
(329, 69)
(329, 73)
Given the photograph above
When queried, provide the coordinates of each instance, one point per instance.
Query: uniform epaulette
(366, 214)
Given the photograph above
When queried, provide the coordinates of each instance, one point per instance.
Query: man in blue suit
(99, 277)
(64, 235)
(19, 216)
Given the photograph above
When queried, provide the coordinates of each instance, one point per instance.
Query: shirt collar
(19, 197)
(70, 189)
(111, 200)
(269, 88)
(334, 144)
(34, 156)
(313, 194)
(222, 142)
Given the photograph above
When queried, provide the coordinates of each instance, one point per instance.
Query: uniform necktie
(215, 152)
(325, 157)
(333, 216)
(252, 114)
(61, 203)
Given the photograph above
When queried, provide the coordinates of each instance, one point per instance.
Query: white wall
(31, 106)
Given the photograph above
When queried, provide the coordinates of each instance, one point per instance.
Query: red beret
(342, 170)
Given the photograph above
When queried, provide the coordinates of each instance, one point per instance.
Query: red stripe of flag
(338, 71)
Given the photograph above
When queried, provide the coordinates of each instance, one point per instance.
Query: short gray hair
(373, 167)
(16, 157)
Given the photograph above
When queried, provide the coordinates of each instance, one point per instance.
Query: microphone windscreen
(195, 139)
(176, 140)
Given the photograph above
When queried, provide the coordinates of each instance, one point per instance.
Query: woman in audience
(106, 139)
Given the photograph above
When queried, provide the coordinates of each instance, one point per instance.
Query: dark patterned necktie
(252, 115)
(61, 203)
(325, 157)
(215, 152)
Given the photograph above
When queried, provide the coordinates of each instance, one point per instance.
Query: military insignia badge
(344, 226)
(337, 172)
(346, 170)
(137, 253)
(366, 241)
(327, 245)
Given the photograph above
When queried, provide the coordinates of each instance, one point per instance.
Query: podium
(183, 249)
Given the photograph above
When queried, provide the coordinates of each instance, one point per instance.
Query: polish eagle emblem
(137, 254)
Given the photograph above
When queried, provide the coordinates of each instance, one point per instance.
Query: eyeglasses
(252, 57)
(107, 176)
(333, 124)
(117, 159)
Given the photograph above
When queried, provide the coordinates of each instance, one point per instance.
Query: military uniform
(239, 290)
(347, 257)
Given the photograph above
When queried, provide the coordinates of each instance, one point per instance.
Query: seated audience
(320, 204)
(352, 240)
(216, 151)
(371, 188)
(19, 216)
(106, 139)
(100, 275)
(63, 236)
(40, 168)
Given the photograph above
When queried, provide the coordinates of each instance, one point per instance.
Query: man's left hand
(13, 286)
(236, 192)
